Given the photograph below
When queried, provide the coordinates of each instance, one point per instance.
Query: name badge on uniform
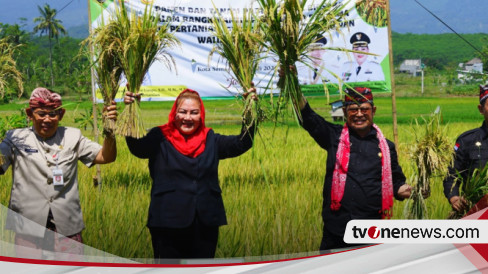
(58, 177)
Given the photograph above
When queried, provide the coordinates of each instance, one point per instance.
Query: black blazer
(363, 190)
(184, 186)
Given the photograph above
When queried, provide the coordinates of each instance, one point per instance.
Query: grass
(272, 193)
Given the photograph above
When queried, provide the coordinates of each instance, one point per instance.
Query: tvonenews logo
(373, 232)
(416, 231)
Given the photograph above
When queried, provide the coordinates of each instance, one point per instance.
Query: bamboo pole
(97, 180)
(392, 80)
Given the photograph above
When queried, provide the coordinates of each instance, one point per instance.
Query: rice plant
(373, 12)
(138, 41)
(241, 48)
(291, 27)
(107, 67)
(8, 68)
(431, 154)
(472, 190)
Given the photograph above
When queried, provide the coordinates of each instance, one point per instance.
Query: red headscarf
(194, 144)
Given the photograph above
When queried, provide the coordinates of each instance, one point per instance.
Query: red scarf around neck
(189, 145)
(342, 165)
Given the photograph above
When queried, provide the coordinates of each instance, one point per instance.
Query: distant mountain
(80, 31)
(464, 16)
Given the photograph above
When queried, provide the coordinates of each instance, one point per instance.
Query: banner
(191, 20)
(366, 33)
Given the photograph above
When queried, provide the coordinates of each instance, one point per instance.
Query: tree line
(440, 51)
(43, 57)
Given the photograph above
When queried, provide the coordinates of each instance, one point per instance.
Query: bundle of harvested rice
(107, 67)
(138, 41)
(241, 48)
(290, 30)
(431, 156)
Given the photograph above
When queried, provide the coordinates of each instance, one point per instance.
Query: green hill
(437, 50)
(80, 31)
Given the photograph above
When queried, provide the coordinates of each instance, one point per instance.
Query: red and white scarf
(342, 165)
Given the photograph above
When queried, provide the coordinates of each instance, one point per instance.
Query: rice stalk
(290, 30)
(138, 41)
(472, 190)
(241, 48)
(415, 207)
(8, 68)
(107, 68)
(373, 12)
(431, 155)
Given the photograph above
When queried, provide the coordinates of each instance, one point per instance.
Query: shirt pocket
(478, 157)
(67, 156)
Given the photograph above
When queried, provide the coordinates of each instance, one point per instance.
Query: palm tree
(51, 26)
(14, 34)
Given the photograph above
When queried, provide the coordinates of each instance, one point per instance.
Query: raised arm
(323, 132)
(232, 146)
(147, 145)
(235, 145)
(108, 153)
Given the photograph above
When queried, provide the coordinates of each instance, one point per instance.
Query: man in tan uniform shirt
(44, 160)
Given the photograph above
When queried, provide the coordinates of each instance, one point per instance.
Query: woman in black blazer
(186, 206)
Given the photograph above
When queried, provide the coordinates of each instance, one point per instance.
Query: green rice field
(272, 193)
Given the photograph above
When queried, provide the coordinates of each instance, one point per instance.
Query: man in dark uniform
(361, 69)
(363, 174)
(471, 152)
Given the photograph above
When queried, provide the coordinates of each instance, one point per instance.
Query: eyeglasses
(354, 110)
(51, 114)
